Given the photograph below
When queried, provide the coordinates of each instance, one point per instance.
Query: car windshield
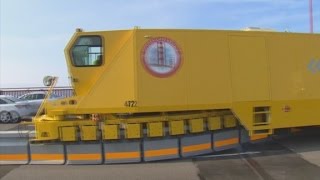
(9, 101)
(13, 99)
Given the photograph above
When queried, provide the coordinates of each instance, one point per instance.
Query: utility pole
(311, 16)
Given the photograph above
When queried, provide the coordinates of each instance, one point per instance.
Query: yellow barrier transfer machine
(146, 94)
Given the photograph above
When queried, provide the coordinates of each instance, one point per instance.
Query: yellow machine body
(267, 80)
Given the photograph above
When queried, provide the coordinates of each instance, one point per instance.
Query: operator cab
(85, 58)
(87, 51)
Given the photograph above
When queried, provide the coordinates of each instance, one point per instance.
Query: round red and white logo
(161, 57)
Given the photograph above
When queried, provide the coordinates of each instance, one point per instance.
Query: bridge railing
(16, 92)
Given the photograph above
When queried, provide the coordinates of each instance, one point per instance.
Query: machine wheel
(14, 117)
(5, 117)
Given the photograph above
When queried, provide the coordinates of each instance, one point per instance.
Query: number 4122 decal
(130, 103)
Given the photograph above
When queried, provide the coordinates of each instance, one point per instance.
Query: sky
(34, 33)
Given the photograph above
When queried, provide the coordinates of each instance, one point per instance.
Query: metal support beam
(311, 16)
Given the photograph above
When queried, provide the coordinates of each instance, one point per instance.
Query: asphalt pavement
(292, 157)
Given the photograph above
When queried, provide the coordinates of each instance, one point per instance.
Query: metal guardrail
(16, 92)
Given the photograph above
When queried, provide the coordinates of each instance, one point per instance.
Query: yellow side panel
(133, 131)
(203, 78)
(116, 84)
(155, 129)
(155, 91)
(47, 130)
(302, 113)
(68, 133)
(207, 61)
(293, 75)
(111, 131)
(244, 111)
(88, 133)
(214, 123)
(249, 68)
(196, 125)
(294, 83)
(230, 121)
(176, 127)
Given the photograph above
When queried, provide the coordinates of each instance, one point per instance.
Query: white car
(35, 99)
(12, 110)
(39, 95)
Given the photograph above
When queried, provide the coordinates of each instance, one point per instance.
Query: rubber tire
(5, 117)
(14, 117)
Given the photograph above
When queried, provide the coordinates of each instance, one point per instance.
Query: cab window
(87, 51)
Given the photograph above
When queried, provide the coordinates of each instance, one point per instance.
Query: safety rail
(63, 91)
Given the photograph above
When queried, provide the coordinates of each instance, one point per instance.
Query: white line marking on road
(252, 168)
(227, 155)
